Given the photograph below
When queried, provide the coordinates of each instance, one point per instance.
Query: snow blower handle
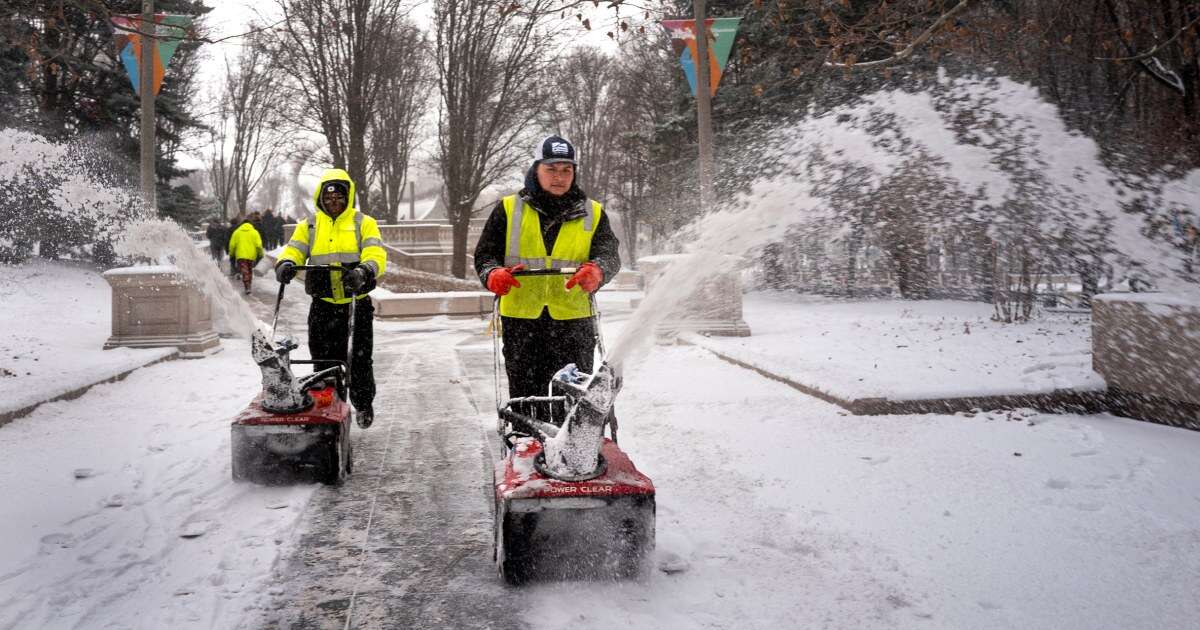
(278, 301)
(565, 271)
(350, 323)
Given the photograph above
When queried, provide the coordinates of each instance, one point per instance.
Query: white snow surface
(774, 509)
(905, 350)
(56, 320)
(100, 491)
(782, 511)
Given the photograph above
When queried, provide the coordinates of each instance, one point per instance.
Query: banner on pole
(721, 33)
(168, 31)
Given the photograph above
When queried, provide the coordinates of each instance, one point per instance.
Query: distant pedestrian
(280, 233)
(233, 224)
(245, 246)
(269, 222)
(218, 236)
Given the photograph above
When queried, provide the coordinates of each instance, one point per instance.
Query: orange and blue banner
(168, 31)
(720, 32)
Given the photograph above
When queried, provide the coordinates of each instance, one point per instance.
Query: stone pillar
(1147, 348)
(156, 307)
(715, 308)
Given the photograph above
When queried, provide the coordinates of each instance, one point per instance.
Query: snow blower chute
(569, 503)
(295, 428)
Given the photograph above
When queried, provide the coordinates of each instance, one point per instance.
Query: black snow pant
(328, 332)
(534, 349)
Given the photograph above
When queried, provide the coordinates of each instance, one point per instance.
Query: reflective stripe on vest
(524, 245)
(337, 258)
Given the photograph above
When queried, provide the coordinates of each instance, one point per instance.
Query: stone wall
(1147, 348)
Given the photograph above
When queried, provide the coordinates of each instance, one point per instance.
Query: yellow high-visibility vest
(523, 245)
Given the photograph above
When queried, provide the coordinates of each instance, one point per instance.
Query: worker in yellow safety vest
(338, 234)
(551, 223)
(246, 249)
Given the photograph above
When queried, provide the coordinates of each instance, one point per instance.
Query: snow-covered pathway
(406, 542)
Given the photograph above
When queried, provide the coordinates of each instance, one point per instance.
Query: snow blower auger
(569, 504)
(295, 429)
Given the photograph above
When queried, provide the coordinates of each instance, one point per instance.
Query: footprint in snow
(195, 529)
(60, 540)
(672, 563)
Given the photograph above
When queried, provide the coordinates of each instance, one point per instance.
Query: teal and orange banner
(168, 31)
(720, 32)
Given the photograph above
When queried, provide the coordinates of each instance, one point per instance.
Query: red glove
(588, 277)
(500, 281)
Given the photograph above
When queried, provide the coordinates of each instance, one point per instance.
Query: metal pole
(703, 108)
(146, 88)
(412, 200)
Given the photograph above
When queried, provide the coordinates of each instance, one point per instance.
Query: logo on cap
(560, 148)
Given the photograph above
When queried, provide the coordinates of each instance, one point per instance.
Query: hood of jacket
(563, 208)
(334, 175)
(246, 226)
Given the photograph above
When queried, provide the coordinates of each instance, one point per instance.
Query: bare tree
(219, 171)
(491, 55)
(270, 191)
(249, 104)
(337, 50)
(584, 110)
(394, 127)
(644, 93)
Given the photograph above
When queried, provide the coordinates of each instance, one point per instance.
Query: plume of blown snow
(165, 242)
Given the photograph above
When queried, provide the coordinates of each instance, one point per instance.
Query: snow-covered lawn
(56, 318)
(905, 350)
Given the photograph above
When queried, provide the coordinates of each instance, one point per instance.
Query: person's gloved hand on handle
(500, 280)
(588, 277)
(356, 278)
(285, 271)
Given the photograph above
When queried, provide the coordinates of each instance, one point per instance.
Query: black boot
(365, 417)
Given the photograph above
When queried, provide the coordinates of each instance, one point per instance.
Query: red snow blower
(569, 503)
(295, 428)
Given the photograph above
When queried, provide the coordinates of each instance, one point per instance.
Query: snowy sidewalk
(406, 541)
(888, 356)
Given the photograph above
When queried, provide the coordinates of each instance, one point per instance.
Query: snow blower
(295, 428)
(569, 503)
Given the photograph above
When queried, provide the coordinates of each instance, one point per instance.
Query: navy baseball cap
(555, 149)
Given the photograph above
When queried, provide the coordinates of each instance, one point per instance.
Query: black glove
(355, 279)
(285, 271)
